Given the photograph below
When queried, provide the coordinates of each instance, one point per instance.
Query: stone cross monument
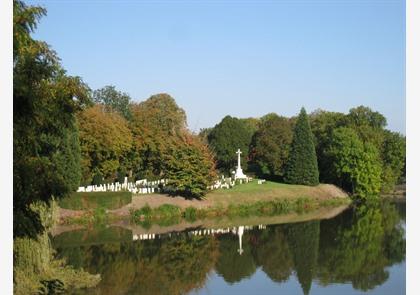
(239, 174)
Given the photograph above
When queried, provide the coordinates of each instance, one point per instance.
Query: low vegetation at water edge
(173, 213)
(95, 200)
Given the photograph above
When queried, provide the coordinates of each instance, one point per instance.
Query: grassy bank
(95, 200)
(171, 214)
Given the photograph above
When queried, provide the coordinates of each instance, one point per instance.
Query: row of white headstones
(148, 187)
(139, 187)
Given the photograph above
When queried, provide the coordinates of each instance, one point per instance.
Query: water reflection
(356, 247)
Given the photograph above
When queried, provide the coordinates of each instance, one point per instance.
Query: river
(359, 251)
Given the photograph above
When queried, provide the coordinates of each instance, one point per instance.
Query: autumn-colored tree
(189, 167)
(156, 124)
(105, 140)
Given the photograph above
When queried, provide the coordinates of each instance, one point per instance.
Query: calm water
(360, 251)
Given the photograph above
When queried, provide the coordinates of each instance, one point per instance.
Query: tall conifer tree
(302, 166)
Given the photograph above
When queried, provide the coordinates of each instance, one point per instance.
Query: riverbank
(250, 198)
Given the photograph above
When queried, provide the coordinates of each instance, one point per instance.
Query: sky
(238, 58)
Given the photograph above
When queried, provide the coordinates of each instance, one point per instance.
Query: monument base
(239, 174)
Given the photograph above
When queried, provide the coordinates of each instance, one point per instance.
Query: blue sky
(242, 58)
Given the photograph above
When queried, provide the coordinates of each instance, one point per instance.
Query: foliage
(302, 166)
(190, 214)
(226, 138)
(46, 154)
(189, 167)
(157, 123)
(270, 146)
(36, 270)
(356, 165)
(323, 123)
(93, 200)
(113, 100)
(393, 159)
(105, 140)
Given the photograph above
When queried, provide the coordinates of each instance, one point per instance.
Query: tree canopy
(302, 166)
(105, 141)
(113, 100)
(270, 146)
(226, 138)
(46, 152)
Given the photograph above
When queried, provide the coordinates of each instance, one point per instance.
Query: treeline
(121, 138)
(65, 134)
(354, 151)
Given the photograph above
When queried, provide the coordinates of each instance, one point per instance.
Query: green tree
(46, 154)
(270, 146)
(105, 141)
(113, 100)
(323, 123)
(357, 165)
(189, 167)
(393, 159)
(302, 166)
(226, 138)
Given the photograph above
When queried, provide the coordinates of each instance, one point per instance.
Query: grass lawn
(94, 200)
(253, 192)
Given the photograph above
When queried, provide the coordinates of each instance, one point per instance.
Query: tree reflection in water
(355, 247)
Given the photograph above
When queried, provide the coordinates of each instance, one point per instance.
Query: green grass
(95, 200)
(169, 214)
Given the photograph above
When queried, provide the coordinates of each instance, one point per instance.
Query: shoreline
(219, 202)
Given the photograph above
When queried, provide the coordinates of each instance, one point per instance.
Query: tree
(270, 146)
(113, 100)
(393, 159)
(368, 124)
(189, 167)
(357, 165)
(302, 166)
(105, 140)
(226, 138)
(46, 154)
(157, 123)
(323, 123)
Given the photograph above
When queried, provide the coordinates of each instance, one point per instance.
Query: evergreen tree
(302, 166)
